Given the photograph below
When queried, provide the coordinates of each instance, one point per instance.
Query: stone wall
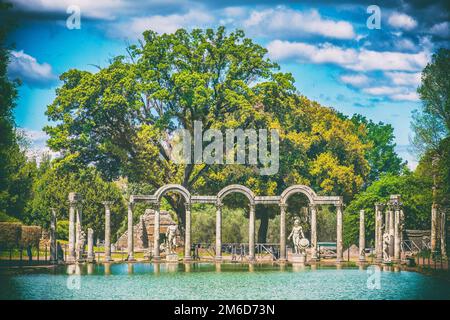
(143, 230)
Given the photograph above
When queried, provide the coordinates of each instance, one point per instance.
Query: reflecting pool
(218, 281)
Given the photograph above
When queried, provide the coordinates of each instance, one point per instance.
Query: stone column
(339, 229)
(397, 238)
(78, 226)
(219, 231)
(313, 210)
(379, 232)
(53, 251)
(251, 233)
(391, 230)
(90, 243)
(130, 233)
(107, 205)
(187, 236)
(156, 256)
(443, 234)
(362, 237)
(72, 203)
(79, 216)
(386, 220)
(283, 232)
(434, 228)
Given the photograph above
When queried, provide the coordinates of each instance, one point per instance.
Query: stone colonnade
(253, 200)
(388, 231)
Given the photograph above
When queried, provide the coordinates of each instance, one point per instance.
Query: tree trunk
(264, 226)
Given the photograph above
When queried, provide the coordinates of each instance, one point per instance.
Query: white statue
(386, 244)
(297, 236)
(171, 237)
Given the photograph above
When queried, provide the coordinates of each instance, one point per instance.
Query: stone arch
(175, 188)
(238, 189)
(298, 188)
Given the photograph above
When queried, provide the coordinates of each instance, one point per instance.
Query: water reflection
(90, 268)
(298, 267)
(218, 267)
(107, 268)
(130, 268)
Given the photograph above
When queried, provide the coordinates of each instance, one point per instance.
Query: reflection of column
(72, 204)
(130, 237)
(283, 232)
(397, 242)
(443, 235)
(53, 254)
(187, 237)
(130, 268)
(90, 241)
(107, 269)
(107, 205)
(251, 234)
(313, 232)
(219, 231)
(339, 240)
(379, 232)
(156, 233)
(434, 227)
(362, 237)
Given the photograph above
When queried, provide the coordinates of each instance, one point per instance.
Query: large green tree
(121, 119)
(15, 173)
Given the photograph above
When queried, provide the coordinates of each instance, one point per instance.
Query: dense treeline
(115, 139)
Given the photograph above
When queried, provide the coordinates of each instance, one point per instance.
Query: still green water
(218, 281)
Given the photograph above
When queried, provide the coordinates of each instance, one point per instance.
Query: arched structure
(236, 188)
(307, 191)
(173, 188)
(281, 200)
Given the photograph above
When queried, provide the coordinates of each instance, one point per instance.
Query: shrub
(62, 230)
(30, 236)
(5, 218)
(10, 233)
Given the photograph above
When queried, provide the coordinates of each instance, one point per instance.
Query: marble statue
(386, 244)
(81, 245)
(297, 235)
(171, 236)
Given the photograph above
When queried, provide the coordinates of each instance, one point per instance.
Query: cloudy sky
(335, 58)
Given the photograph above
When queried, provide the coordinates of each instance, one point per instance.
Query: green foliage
(432, 123)
(381, 155)
(62, 230)
(6, 218)
(51, 189)
(415, 191)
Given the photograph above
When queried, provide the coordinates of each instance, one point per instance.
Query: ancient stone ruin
(143, 230)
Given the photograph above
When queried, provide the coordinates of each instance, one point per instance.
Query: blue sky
(335, 58)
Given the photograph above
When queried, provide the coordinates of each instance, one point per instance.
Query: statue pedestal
(172, 257)
(298, 258)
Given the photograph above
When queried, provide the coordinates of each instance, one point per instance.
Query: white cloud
(356, 80)
(394, 93)
(38, 148)
(161, 24)
(441, 29)
(288, 22)
(352, 59)
(29, 70)
(402, 21)
(404, 78)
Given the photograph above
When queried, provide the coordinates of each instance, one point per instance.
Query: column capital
(339, 205)
(130, 204)
(187, 206)
(283, 206)
(74, 197)
(107, 204)
(312, 206)
(251, 206)
(219, 204)
(379, 206)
